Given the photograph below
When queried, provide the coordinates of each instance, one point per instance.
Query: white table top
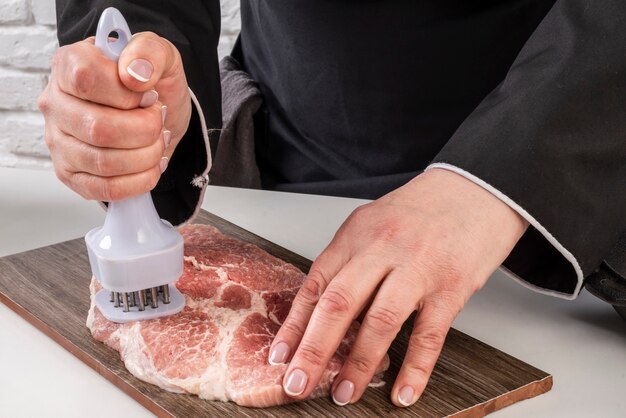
(582, 343)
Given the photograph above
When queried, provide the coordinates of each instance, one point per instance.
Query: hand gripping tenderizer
(135, 255)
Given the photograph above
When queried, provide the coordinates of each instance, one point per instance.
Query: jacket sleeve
(194, 27)
(550, 141)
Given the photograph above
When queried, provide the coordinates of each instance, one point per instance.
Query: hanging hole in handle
(112, 22)
(117, 41)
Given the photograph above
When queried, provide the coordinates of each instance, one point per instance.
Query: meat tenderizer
(135, 255)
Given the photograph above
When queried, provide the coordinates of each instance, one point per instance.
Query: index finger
(81, 70)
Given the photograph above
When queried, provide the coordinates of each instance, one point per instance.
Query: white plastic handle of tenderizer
(112, 20)
(134, 249)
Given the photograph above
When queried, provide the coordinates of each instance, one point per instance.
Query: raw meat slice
(237, 295)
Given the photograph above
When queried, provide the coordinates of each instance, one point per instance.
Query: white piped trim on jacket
(532, 221)
(201, 180)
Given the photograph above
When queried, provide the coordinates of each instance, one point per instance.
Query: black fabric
(361, 95)
(551, 136)
(194, 27)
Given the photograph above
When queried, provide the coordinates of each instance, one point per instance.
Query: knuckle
(428, 341)
(359, 214)
(417, 369)
(361, 364)
(293, 326)
(98, 131)
(311, 354)
(335, 302)
(82, 80)
(384, 320)
(312, 288)
(43, 103)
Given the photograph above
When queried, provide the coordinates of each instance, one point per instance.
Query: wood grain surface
(49, 287)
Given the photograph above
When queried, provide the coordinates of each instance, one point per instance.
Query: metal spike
(166, 294)
(112, 296)
(141, 300)
(125, 301)
(117, 300)
(155, 301)
(133, 301)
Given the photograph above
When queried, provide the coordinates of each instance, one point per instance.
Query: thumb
(146, 60)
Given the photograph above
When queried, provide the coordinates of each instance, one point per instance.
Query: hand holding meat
(108, 127)
(425, 247)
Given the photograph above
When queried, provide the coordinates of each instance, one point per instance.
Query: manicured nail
(279, 354)
(296, 383)
(405, 395)
(149, 98)
(343, 393)
(163, 114)
(163, 164)
(167, 138)
(140, 69)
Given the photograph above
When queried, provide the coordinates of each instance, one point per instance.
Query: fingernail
(167, 138)
(163, 163)
(343, 393)
(163, 114)
(405, 395)
(140, 69)
(296, 383)
(279, 354)
(149, 98)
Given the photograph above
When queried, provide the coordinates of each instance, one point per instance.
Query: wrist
(489, 227)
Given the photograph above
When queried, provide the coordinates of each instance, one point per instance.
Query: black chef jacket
(526, 98)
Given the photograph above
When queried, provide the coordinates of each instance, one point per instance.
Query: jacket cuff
(536, 229)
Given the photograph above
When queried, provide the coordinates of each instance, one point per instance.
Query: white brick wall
(27, 42)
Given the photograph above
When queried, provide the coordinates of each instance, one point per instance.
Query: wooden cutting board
(49, 288)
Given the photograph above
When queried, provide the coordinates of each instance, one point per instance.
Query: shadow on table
(606, 319)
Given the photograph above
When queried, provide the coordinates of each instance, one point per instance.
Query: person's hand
(112, 127)
(425, 247)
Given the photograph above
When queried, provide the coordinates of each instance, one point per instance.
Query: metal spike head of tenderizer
(135, 255)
